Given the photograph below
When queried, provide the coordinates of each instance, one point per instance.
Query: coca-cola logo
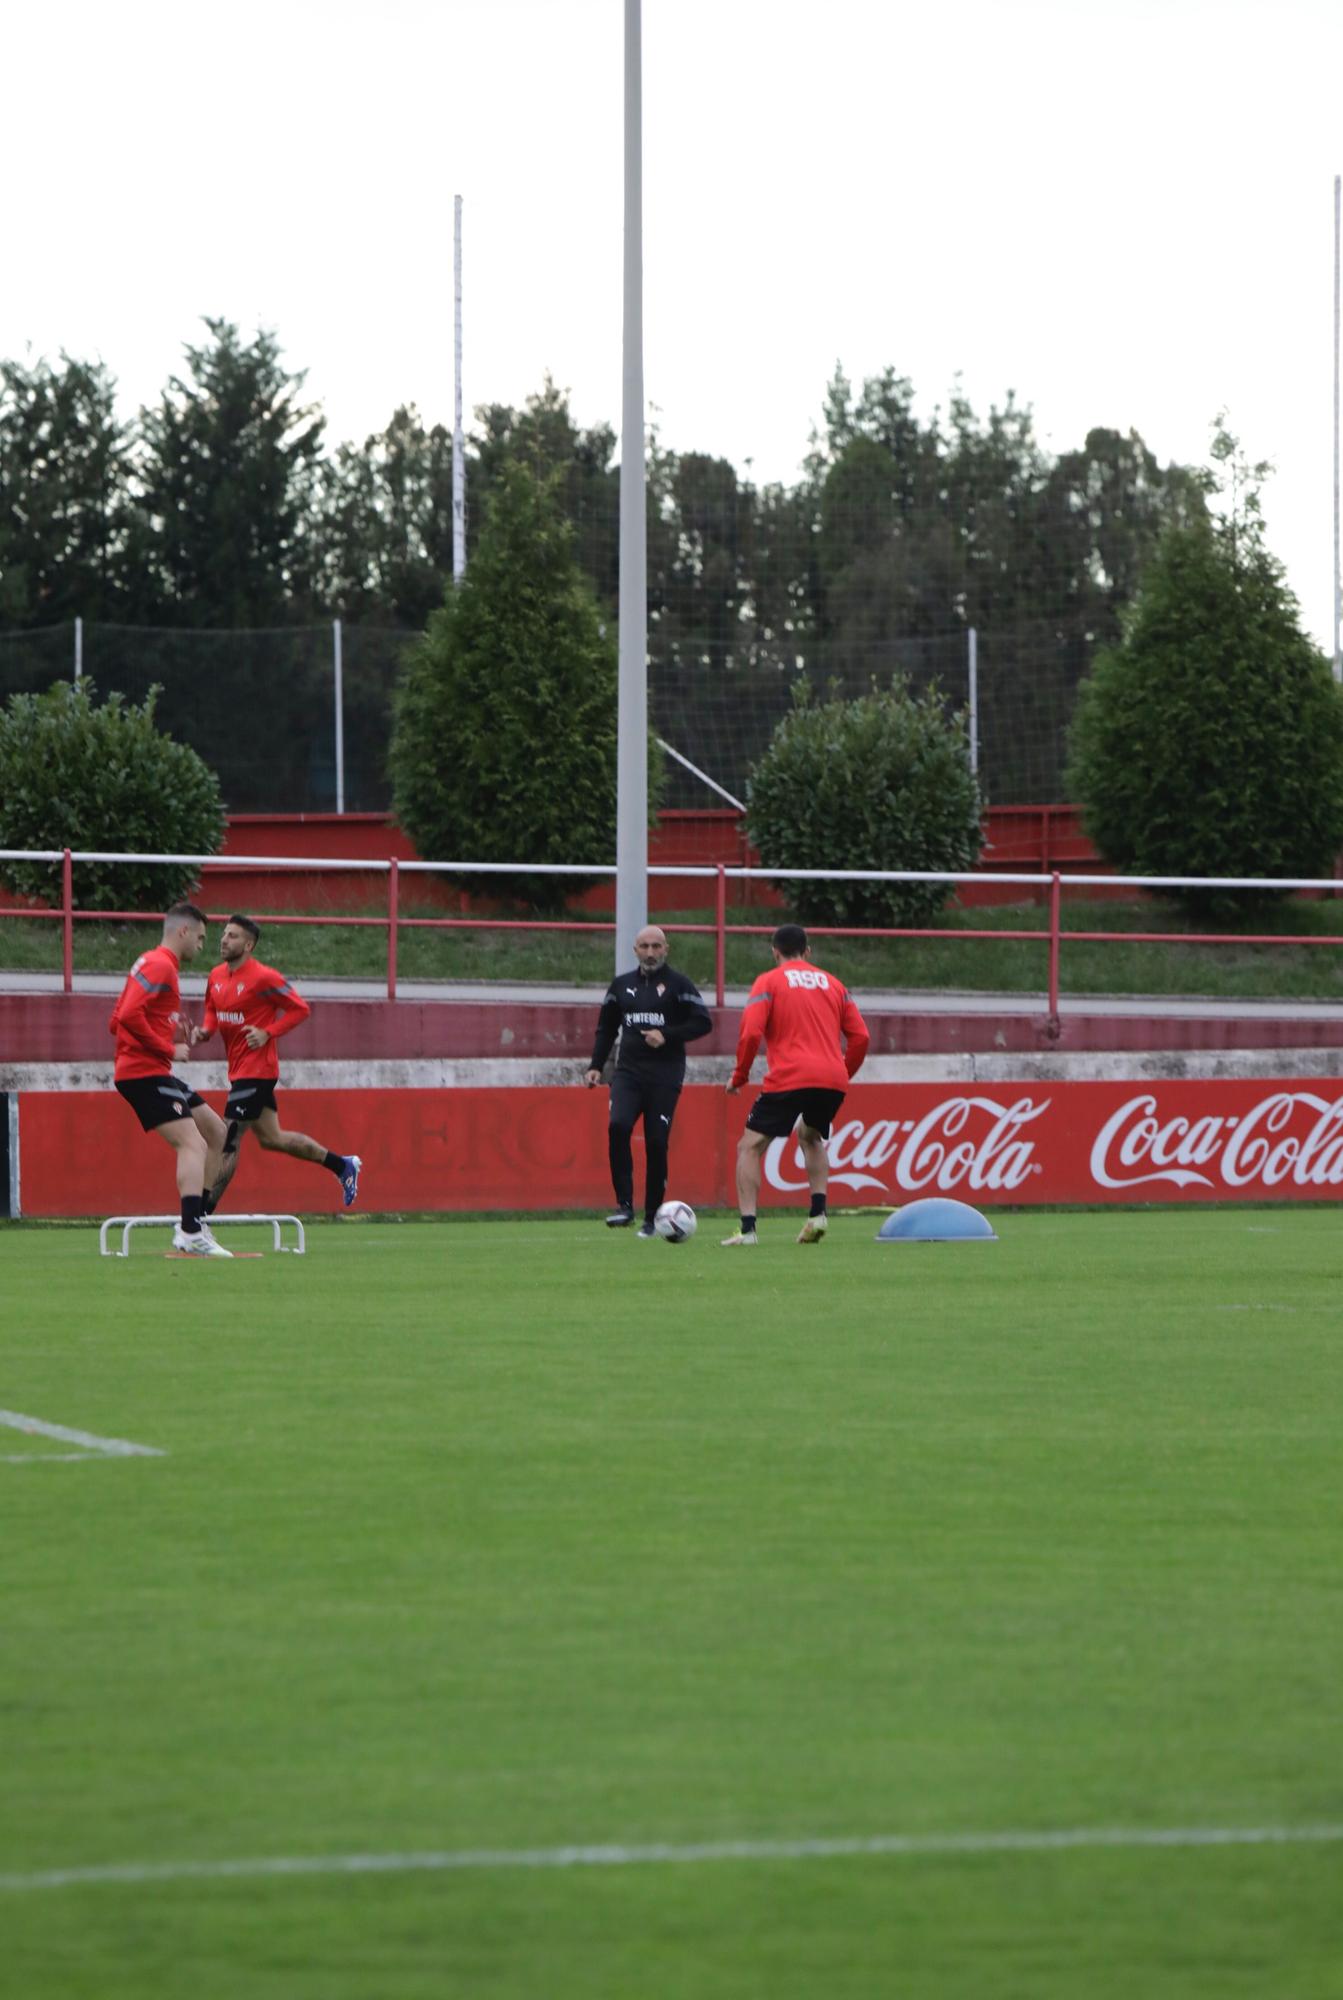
(1136, 1147)
(970, 1142)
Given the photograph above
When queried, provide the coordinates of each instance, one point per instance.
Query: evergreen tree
(386, 523)
(504, 739)
(1210, 740)
(227, 489)
(64, 499)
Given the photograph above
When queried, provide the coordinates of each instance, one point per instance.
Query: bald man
(655, 1011)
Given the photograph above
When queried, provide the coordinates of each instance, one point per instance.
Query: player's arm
(130, 1016)
(290, 1007)
(751, 1034)
(210, 1025)
(608, 1027)
(694, 1017)
(857, 1040)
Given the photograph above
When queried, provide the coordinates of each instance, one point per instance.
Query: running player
(801, 1013)
(150, 1037)
(251, 1006)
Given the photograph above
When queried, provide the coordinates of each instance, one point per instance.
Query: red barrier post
(393, 901)
(720, 936)
(1054, 941)
(67, 923)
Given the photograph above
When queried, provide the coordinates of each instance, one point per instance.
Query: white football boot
(813, 1229)
(202, 1244)
(740, 1242)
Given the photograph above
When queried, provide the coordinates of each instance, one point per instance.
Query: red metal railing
(1052, 935)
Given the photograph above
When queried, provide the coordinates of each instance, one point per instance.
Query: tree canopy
(1209, 740)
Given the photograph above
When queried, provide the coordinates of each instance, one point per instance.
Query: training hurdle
(128, 1222)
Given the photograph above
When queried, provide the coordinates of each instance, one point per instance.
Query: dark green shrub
(1210, 741)
(881, 782)
(504, 737)
(77, 774)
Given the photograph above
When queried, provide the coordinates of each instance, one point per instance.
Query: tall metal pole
(458, 461)
(338, 700)
(632, 731)
(972, 676)
(1338, 587)
(79, 651)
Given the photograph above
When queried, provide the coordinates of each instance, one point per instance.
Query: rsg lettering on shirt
(806, 975)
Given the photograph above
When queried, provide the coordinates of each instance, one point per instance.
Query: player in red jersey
(801, 1013)
(151, 1035)
(251, 1005)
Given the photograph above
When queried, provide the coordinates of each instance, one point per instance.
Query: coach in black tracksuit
(655, 1011)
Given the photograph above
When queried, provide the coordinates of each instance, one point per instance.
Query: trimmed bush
(504, 738)
(1210, 741)
(880, 782)
(74, 773)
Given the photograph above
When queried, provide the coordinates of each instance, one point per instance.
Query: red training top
(145, 1018)
(801, 1012)
(251, 995)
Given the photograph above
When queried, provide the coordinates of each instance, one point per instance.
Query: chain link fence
(261, 706)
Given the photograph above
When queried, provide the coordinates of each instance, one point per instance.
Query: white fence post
(972, 667)
(337, 665)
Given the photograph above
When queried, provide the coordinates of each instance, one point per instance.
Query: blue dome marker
(937, 1220)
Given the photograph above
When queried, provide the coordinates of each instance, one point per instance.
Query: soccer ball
(675, 1221)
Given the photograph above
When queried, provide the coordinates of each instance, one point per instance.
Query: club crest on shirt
(661, 991)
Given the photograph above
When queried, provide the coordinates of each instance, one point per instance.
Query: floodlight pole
(1338, 586)
(632, 725)
(458, 461)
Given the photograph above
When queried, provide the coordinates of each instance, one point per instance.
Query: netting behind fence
(722, 716)
(31, 661)
(260, 706)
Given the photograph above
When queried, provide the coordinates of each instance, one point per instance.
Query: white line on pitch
(107, 1447)
(893, 1845)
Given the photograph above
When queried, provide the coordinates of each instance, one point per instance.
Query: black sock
(335, 1164)
(193, 1208)
(748, 1225)
(817, 1206)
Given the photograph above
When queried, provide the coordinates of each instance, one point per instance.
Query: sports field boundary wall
(72, 1028)
(522, 1134)
(1033, 838)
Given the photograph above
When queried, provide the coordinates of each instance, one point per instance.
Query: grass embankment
(946, 962)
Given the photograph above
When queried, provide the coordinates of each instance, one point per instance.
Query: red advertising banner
(1240, 1139)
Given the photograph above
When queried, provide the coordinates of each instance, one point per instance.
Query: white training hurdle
(128, 1222)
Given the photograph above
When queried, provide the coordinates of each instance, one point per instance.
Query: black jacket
(636, 1000)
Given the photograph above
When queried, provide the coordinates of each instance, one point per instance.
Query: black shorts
(158, 1100)
(775, 1112)
(249, 1097)
(650, 1096)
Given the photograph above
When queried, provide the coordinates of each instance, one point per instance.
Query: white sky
(1123, 211)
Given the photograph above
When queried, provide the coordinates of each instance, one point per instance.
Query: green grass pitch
(514, 1536)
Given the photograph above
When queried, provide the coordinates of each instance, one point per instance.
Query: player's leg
(626, 1106)
(816, 1159)
(660, 1101)
(215, 1134)
(813, 1138)
(750, 1161)
(228, 1164)
(272, 1136)
(189, 1146)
